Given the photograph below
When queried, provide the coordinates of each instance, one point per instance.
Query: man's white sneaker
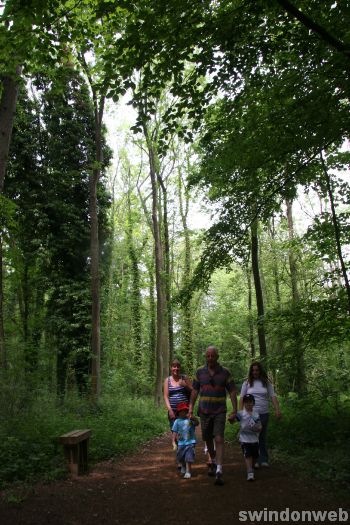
(187, 475)
(250, 476)
(265, 464)
(218, 479)
(256, 465)
(183, 470)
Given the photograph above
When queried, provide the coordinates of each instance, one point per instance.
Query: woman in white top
(260, 387)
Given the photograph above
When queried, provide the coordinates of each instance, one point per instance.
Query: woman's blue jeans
(263, 454)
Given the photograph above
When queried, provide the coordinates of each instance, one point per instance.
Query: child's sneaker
(257, 465)
(183, 469)
(187, 475)
(250, 476)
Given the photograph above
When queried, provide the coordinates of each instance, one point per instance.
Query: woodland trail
(146, 488)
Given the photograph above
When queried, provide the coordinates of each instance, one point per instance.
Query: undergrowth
(313, 437)
(29, 447)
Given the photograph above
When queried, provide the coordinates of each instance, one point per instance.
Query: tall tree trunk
(136, 325)
(275, 264)
(336, 229)
(258, 289)
(277, 341)
(291, 254)
(162, 341)
(152, 325)
(250, 313)
(7, 115)
(167, 267)
(187, 330)
(94, 252)
(3, 359)
(298, 338)
(152, 328)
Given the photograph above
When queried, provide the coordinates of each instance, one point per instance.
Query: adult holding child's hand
(258, 385)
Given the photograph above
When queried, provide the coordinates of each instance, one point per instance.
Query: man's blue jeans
(263, 454)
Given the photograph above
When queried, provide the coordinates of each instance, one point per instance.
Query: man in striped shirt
(211, 383)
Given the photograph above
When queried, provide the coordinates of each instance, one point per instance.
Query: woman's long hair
(262, 374)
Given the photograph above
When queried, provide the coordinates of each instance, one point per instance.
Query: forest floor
(146, 488)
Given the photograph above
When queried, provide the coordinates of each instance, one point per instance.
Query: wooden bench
(75, 446)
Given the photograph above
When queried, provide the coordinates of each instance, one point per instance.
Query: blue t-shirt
(185, 429)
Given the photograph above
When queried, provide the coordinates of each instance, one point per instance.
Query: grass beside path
(313, 438)
(29, 450)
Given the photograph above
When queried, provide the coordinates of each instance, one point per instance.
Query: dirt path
(146, 488)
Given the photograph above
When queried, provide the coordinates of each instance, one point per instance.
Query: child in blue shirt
(184, 433)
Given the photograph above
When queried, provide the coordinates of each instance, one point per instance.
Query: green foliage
(314, 435)
(46, 255)
(7, 213)
(29, 448)
(281, 95)
(26, 35)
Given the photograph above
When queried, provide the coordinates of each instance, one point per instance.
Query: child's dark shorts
(185, 454)
(250, 450)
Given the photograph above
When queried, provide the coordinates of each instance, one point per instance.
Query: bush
(29, 447)
(314, 436)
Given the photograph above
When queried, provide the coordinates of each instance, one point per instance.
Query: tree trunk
(94, 254)
(167, 267)
(152, 321)
(162, 341)
(250, 314)
(277, 342)
(3, 360)
(336, 229)
(7, 114)
(136, 324)
(187, 331)
(258, 290)
(275, 264)
(298, 338)
(291, 254)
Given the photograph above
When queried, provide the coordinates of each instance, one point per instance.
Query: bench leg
(77, 457)
(83, 457)
(71, 454)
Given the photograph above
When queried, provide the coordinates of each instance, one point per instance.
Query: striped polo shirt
(212, 389)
